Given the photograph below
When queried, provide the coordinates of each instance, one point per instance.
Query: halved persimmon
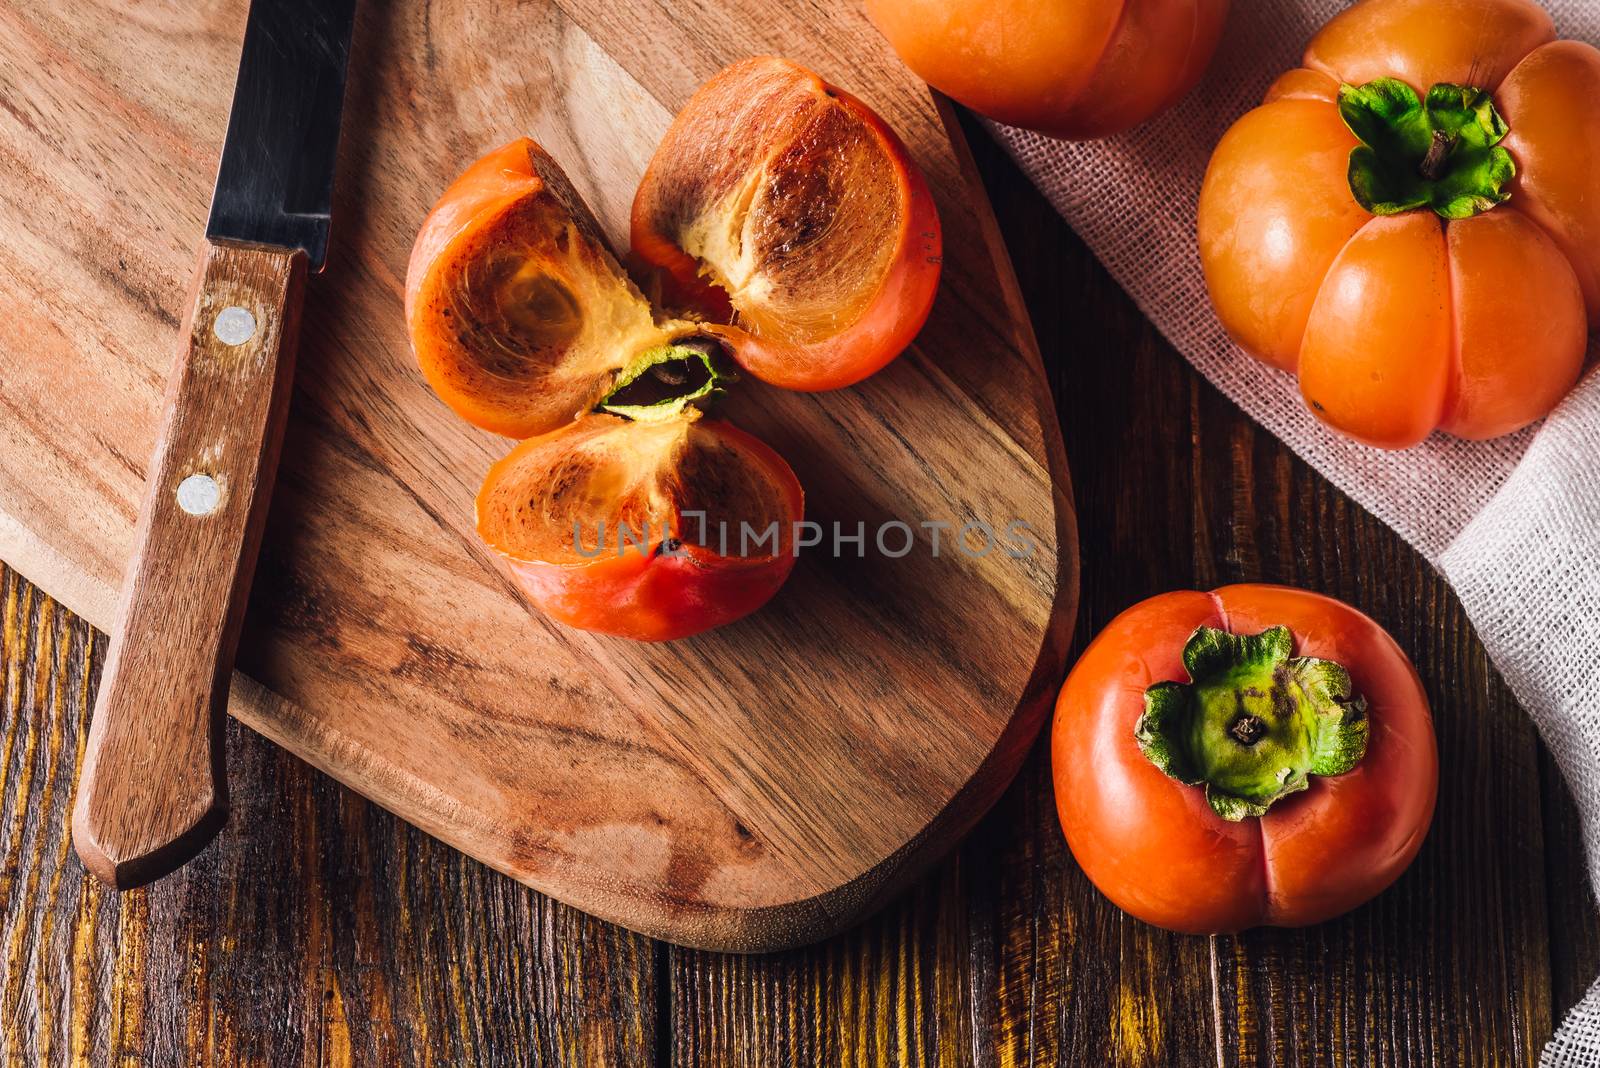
(650, 528)
(623, 513)
(519, 314)
(785, 211)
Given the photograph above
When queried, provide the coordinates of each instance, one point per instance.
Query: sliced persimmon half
(788, 214)
(650, 528)
(519, 314)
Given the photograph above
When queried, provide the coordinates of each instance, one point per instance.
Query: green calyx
(1254, 722)
(660, 383)
(1442, 153)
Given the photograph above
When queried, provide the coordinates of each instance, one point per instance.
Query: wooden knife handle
(153, 789)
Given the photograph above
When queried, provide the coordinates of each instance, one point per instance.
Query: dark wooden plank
(1076, 981)
(892, 992)
(319, 929)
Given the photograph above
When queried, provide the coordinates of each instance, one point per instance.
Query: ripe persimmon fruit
(622, 526)
(1411, 220)
(1069, 68)
(1256, 755)
(786, 207)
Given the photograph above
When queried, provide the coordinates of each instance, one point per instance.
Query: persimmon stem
(1248, 730)
(660, 382)
(1441, 152)
(1439, 147)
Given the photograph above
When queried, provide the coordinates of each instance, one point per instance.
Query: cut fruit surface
(785, 207)
(519, 314)
(795, 235)
(649, 530)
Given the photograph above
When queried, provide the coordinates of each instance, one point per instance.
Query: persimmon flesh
(616, 514)
(786, 212)
(520, 316)
(646, 529)
(1411, 220)
(793, 235)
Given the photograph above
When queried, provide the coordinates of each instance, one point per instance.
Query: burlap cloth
(1514, 524)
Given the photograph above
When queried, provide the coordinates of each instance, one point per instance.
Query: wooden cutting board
(755, 787)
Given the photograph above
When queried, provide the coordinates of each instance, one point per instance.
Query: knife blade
(153, 788)
(275, 181)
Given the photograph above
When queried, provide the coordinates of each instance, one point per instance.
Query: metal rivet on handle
(199, 494)
(234, 325)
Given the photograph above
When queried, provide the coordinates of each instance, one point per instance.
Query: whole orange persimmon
(1069, 68)
(1411, 220)
(1256, 755)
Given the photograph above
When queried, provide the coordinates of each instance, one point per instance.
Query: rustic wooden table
(321, 930)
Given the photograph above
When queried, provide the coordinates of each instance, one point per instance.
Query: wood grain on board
(752, 787)
(324, 932)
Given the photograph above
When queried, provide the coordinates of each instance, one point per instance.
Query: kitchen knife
(153, 789)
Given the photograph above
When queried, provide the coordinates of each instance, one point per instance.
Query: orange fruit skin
(1402, 326)
(1153, 845)
(644, 594)
(1515, 291)
(890, 316)
(1549, 101)
(897, 310)
(1423, 42)
(1376, 360)
(1069, 68)
(1282, 215)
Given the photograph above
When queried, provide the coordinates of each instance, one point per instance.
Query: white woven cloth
(1514, 524)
